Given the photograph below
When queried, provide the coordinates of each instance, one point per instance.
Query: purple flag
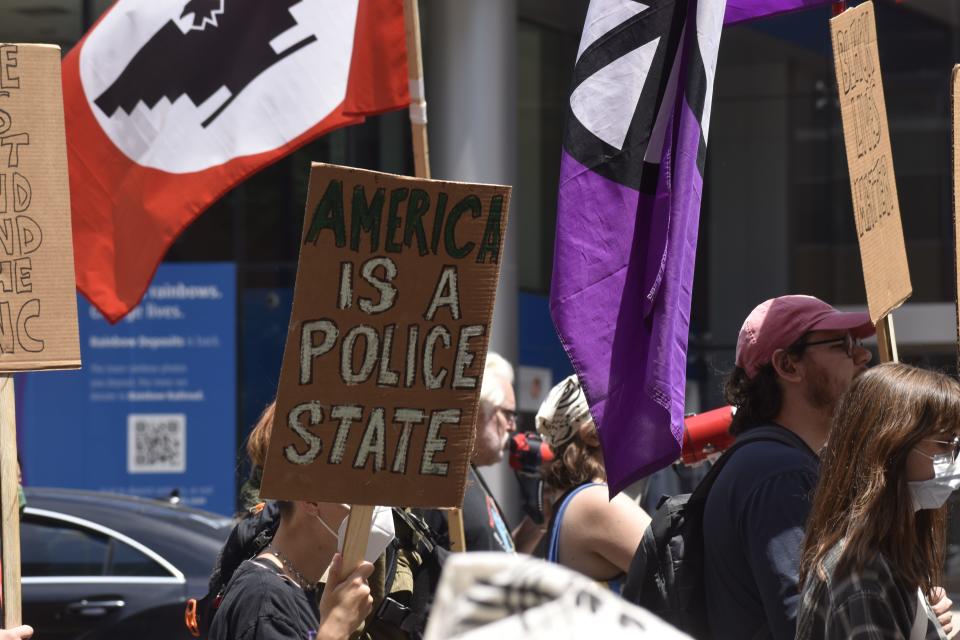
(631, 178)
(742, 10)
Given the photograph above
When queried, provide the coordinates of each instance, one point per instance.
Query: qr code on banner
(156, 443)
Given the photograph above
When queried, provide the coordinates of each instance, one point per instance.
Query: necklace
(298, 577)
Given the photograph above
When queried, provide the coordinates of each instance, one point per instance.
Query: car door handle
(95, 608)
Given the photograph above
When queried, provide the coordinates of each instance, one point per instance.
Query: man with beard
(796, 355)
(484, 525)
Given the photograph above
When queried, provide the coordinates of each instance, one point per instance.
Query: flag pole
(421, 166)
(418, 102)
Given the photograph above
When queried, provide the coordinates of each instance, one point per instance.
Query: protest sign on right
(869, 160)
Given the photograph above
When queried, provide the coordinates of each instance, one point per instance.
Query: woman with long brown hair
(588, 532)
(875, 539)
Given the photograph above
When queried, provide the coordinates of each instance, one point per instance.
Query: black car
(98, 566)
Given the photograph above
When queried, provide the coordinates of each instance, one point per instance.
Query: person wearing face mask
(403, 551)
(278, 593)
(875, 539)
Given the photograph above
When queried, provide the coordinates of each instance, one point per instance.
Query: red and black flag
(169, 104)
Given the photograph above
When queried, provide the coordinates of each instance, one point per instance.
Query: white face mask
(933, 493)
(381, 533)
(346, 508)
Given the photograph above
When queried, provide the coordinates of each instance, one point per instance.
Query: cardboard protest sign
(869, 160)
(38, 304)
(384, 357)
(955, 100)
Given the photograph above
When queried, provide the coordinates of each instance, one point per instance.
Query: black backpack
(666, 573)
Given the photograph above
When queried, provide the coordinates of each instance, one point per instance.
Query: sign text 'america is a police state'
(384, 358)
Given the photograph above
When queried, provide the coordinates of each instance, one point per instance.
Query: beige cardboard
(869, 160)
(955, 100)
(390, 426)
(38, 304)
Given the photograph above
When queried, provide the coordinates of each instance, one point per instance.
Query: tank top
(553, 551)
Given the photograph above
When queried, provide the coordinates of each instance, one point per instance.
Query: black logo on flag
(226, 46)
(653, 39)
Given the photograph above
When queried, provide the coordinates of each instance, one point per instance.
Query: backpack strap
(653, 566)
(769, 432)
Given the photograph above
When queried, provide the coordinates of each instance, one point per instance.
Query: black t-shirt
(753, 527)
(484, 527)
(262, 604)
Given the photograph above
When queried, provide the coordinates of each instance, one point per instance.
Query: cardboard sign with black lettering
(384, 357)
(38, 304)
(876, 207)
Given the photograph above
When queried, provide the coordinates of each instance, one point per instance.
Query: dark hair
(757, 399)
(862, 495)
(574, 463)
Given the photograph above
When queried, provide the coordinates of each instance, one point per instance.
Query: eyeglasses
(850, 344)
(955, 443)
(509, 415)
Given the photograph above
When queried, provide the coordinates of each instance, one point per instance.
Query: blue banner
(153, 411)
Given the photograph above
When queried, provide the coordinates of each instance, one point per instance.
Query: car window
(127, 561)
(50, 548)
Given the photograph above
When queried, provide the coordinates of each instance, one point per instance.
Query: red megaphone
(706, 434)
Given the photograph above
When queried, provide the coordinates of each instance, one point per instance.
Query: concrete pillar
(469, 53)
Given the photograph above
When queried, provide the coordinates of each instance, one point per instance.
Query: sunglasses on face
(850, 344)
(953, 444)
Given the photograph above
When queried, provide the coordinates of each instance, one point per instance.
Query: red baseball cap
(780, 322)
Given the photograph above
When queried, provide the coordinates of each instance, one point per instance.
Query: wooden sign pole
(458, 541)
(9, 505)
(358, 531)
(887, 340)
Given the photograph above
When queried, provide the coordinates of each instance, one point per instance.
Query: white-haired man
(484, 525)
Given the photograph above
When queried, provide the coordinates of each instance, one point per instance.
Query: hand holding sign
(346, 599)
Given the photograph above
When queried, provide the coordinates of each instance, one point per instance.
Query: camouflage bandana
(563, 412)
